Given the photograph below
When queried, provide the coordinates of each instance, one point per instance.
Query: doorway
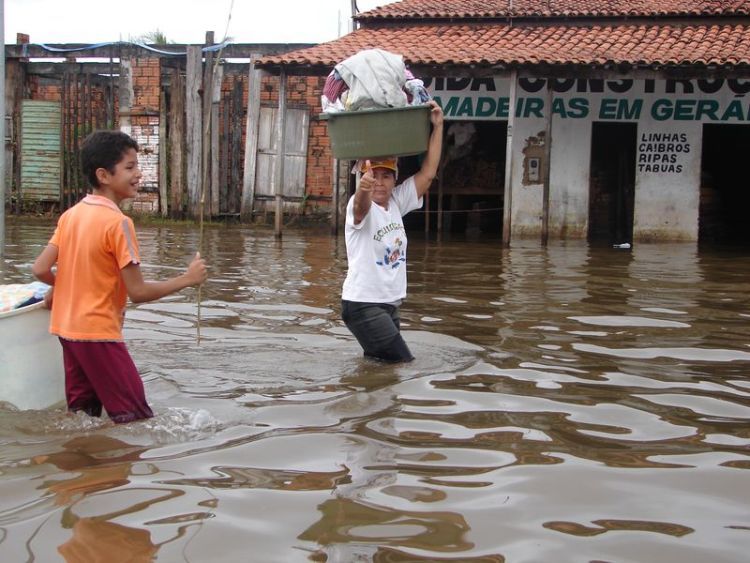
(612, 182)
(724, 193)
(470, 185)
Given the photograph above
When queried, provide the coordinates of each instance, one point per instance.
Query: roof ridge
(553, 9)
(636, 44)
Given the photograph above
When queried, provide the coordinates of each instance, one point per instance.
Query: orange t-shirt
(95, 240)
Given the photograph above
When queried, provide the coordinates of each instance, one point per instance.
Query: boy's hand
(48, 297)
(197, 273)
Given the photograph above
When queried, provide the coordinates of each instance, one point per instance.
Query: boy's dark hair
(104, 149)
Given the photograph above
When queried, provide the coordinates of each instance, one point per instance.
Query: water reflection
(100, 463)
(358, 530)
(567, 403)
(98, 540)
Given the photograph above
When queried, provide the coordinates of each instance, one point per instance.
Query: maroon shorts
(103, 374)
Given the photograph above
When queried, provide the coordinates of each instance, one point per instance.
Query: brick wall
(302, 91)
(51, 90)
(144, 128)
(44, 91)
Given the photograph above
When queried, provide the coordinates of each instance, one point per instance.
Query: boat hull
(31, 365)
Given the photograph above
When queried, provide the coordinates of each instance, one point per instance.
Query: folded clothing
(372, 78)
(17, 295)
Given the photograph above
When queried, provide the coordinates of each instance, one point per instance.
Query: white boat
(31, 365)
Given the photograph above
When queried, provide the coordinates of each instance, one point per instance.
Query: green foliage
(153, 38)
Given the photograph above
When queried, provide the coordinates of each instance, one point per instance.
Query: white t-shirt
(376, 248)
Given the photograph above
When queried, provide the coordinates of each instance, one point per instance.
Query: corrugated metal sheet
(40, 150)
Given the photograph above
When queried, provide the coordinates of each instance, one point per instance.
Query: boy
(96, 252)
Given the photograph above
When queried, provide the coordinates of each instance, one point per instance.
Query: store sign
(662, 152)
(720, 100)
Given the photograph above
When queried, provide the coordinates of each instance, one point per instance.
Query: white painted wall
(667, 204)
(526, 215)
(569, 180)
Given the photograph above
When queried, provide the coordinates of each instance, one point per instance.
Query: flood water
(567, 403)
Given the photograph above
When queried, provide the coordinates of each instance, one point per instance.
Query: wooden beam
(97, 70)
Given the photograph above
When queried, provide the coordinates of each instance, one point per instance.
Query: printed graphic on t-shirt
(394, 255)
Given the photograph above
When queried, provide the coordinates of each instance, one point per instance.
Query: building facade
(629, 120)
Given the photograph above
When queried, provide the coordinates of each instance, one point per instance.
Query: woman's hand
(363, 195)
(423, 179)
(436, 114)
(367, 181)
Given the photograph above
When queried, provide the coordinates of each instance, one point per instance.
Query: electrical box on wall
(534, 171)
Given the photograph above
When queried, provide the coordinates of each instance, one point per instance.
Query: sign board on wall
(708, 101)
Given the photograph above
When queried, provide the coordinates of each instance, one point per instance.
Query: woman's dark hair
(104, 149)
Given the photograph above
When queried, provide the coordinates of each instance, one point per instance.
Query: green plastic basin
(376, 133)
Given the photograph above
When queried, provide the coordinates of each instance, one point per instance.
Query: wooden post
(125, 93)
(87, 110)
(126, 96)
(15, 77)
(176, 142)
(111, 94)
(281, 140)
(234, 148)
(64, 147)
(163, 192)
(2, 129)
(18, 126)
(547, 163)
(251, 139)
(427, 212)
(194, 134)
(440, 181)
(206, 92)
(508, 188)
(75, 98)
(336, 186)
(225, 187)
(214, 128)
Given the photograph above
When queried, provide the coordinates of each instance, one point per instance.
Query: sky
(181, 21)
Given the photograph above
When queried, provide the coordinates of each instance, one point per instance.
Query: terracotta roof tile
(442, 9)
(500, 44)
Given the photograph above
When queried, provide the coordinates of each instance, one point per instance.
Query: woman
(375, 283)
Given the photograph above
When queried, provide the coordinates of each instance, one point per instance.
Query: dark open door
(612, 183)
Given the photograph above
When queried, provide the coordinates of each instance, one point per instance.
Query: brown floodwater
(568, 403)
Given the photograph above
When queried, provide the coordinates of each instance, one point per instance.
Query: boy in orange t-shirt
(96, 252)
